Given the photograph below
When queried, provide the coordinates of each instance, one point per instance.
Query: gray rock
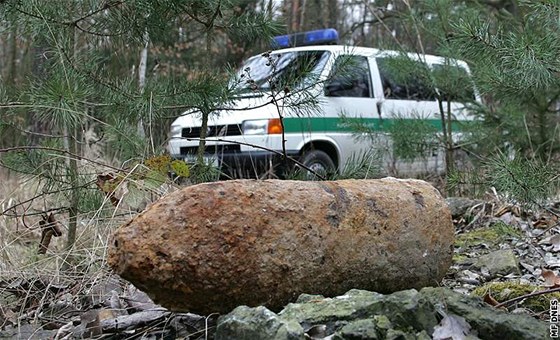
(346, 313)
(397, 334)
(26, 331)
(423, 335)
(499, 262)
(309, 297)
(245, 323)
(460, 205)
(350, 306)
(486, 321)
(360, 314)
(403, 308)
(100, 292)
(359, 329)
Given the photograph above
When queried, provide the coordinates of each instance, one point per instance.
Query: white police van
(245, 139)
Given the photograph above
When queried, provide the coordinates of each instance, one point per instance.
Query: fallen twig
(519, 298)
(133, 321)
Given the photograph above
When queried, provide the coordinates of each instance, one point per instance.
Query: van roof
(370, 52)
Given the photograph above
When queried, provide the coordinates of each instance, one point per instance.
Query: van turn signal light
(274, 126)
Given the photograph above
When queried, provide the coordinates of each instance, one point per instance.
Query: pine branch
(106, 6)
(75, 22)
(77, 157)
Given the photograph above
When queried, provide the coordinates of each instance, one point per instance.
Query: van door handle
(379, 104)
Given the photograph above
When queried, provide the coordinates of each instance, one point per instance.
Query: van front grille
(213, 131)
(211, 149)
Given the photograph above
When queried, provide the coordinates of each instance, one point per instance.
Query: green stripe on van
(336, 124)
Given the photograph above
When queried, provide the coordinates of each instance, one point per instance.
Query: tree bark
(11, 80)
(142, 80)
(332, 14)
(295, 25)
(70, 142)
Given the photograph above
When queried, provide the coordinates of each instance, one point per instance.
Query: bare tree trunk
(302, 20)
(364, 18)
(446, 126)
(270, 7)
(8, 54)
(75, 193)
(70, 144)
(332, 14)
(142, 80)
(205, 113)
(294, 16)
(38, 60)
(12, 68)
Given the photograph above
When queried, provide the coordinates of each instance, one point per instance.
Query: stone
(309, 297)
(26, 331)
(359, 329)
(360, 314)
(215, 246)
(245, 323)
(403, 308)
(499, 262)
(101, 292)
(460, 205)
(488, 322)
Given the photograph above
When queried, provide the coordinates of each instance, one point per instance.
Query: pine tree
(514, 53)
(80, 86)
(517, 69)
(511, 48)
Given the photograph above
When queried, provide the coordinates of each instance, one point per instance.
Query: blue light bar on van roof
(326, 36)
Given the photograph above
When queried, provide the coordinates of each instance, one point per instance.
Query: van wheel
(319, 162)
(463, 161)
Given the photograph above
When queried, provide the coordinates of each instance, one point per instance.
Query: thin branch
(36, 16)
(9, 104)
(5, 212)
(382, 21)
(216, 13)
(75, 22)
(36, 211)
(97, 33)
(519, 298)
(378, 19)
(33, 147)
(22, 216)
(29, 132)
(107, 5)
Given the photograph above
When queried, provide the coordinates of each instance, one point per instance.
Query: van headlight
(175, 130)
(262, 127)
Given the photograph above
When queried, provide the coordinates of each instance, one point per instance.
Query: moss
(459, 258)
(503, 291)
(492, 235)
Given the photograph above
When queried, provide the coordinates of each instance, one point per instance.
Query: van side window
(454, 83)
(350, 77)
(402, 82)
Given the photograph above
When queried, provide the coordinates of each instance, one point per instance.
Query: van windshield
(295, 70)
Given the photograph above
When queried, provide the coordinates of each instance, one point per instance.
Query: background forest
(108, 77)
(88, 90)
(90, 87)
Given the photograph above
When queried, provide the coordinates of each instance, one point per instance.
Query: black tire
(318, 161)
(463, 160)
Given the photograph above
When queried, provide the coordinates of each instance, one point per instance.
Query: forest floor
(505, 253)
